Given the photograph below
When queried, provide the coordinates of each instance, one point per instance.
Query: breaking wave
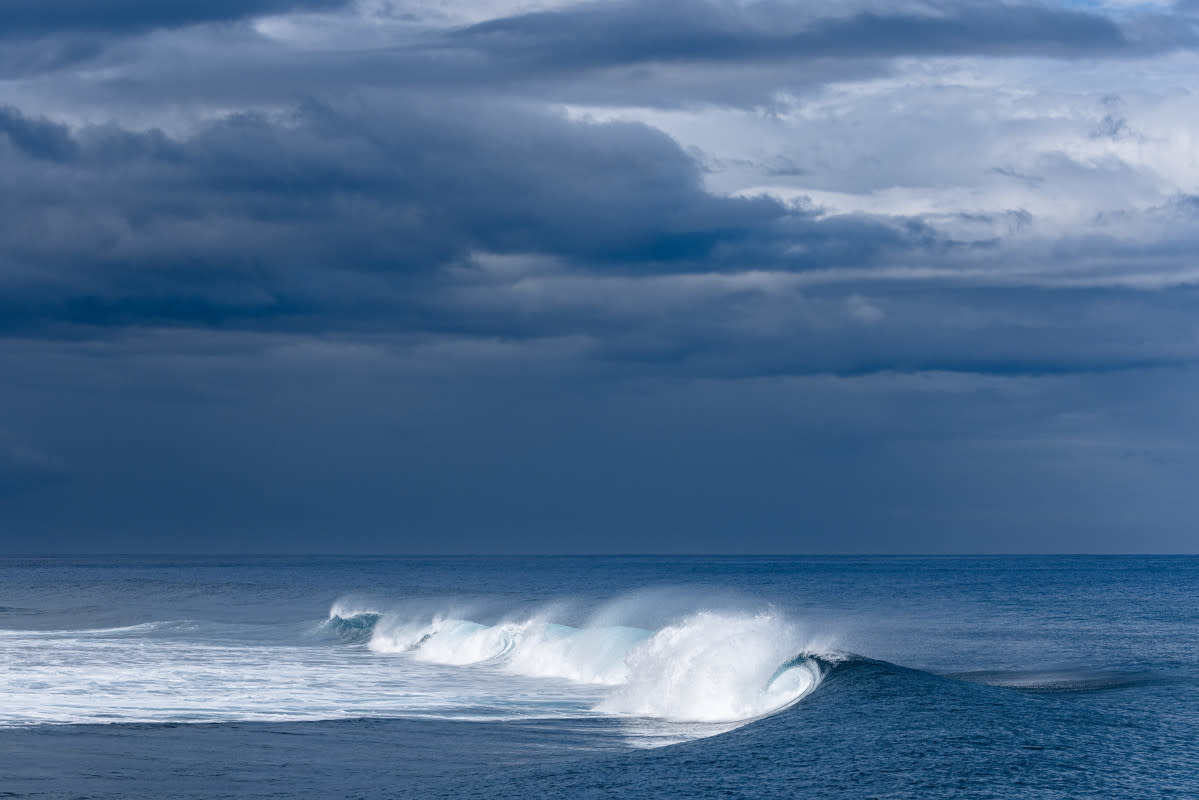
(705, 667)
(716, 668)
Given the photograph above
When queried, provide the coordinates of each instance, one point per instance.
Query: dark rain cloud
(655, 53)
(348, 286)
(45, 17)
(601, 35)
(38, 139)
(330, 218)
(326, 219)
(24, 469)
(319, 447)
(58, 36)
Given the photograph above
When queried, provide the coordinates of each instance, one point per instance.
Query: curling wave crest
(706, 667)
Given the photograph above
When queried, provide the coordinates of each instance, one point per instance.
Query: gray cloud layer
(46, 17)
(324, 220)
(604, 35)
(307, 215)
(673, 270)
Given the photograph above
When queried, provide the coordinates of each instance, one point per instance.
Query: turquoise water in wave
(599, 677)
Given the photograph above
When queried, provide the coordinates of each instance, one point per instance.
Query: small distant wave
(123, 630)
(356, 627)
(707, 667)
(1061, 680)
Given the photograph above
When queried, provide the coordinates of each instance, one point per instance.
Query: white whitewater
(700, 674)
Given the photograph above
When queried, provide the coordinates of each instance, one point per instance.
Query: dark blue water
(600, 677)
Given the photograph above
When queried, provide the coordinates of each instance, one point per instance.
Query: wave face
(355, 626)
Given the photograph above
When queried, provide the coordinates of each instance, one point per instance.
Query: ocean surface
(763, 677)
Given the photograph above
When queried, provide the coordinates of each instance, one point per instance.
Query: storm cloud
(279, 268)
(612, 34)
(43, 17)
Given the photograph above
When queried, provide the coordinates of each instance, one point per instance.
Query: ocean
(579, 677)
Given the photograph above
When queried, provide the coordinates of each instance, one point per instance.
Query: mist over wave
(708, 666)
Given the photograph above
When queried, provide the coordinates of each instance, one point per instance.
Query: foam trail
(458, 642)
(455, 642)
(532, 647)
(588, 655)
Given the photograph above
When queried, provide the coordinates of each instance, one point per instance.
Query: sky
(491, 276)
